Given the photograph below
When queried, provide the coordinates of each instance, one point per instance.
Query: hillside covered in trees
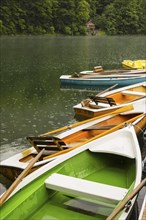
(69, 17)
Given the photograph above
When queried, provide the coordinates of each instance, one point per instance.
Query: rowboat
(96, 81)
(57, 143)
(105, 102)
(90, 182)
(134, 64)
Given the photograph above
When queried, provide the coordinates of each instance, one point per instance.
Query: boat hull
(95, 163)
(90, 112)
(103, 82)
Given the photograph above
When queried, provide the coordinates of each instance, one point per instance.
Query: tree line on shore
(69, 17)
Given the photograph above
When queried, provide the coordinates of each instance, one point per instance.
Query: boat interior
(127, 96)
(66, 191)
(121, 97)
(54, 144)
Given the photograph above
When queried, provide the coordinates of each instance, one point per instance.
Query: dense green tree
(82, 15)
(38, 15)
(83, 11)
(26, 16)
(64, 14)
(108, 20)
(127, 20)
(123, 20)
(11, 17)
(142, 17)
(70, 16)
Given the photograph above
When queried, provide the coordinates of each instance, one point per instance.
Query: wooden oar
(95, 137)
(126, 200)
(20, 177)
(106, 90)
(118, 111)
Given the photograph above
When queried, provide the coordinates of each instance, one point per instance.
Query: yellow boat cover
(134, 64)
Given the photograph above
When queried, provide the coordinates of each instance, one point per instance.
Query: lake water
(32, 101)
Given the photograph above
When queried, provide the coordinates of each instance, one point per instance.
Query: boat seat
(47, 142)
(85, 188)
(126, 92)
(106, 100)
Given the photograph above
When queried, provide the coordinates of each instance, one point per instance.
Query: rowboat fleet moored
(91, 169)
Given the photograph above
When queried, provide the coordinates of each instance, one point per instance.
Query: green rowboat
(89, 182)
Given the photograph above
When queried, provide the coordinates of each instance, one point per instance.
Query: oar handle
(106, 90)
(20, 177)
(126, 200)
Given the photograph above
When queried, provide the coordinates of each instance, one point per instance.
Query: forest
(69, 17)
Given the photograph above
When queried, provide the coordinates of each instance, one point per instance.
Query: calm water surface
(32, 101)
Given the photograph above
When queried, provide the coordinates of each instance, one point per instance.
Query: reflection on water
(31, 99)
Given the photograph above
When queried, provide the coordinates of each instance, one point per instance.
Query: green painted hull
(35, 201)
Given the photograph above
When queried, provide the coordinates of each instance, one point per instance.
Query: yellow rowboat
(106, 102)
(134, 64)
(67, 138)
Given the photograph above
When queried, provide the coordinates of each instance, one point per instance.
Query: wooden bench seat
(85, 188)
(106, 100)
(47, 142)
